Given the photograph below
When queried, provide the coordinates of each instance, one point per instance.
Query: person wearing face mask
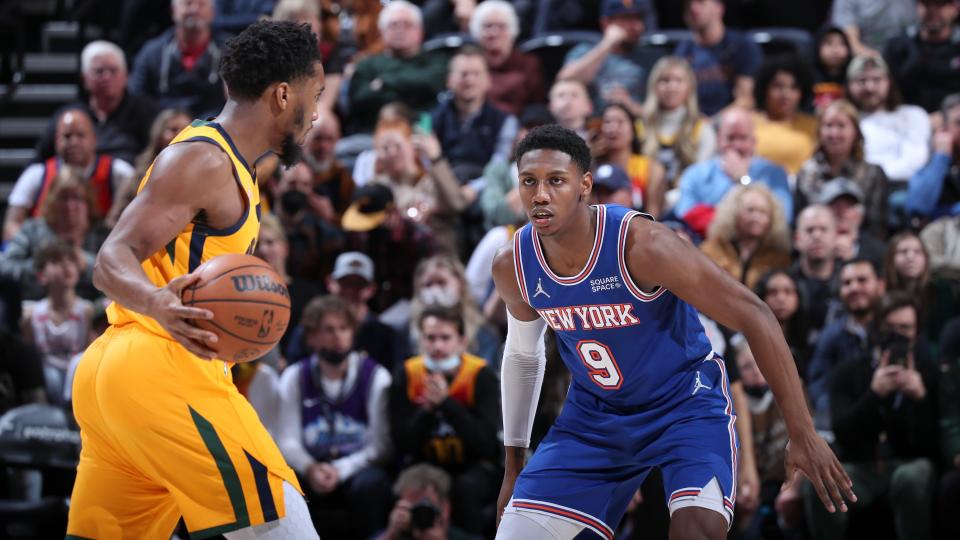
(307, 220)
(445, 410)
(441, 281)
(332, 426)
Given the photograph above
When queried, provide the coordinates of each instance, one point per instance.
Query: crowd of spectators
(827, 180)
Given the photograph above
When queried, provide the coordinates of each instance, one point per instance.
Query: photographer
(884, 411)
(423, 509)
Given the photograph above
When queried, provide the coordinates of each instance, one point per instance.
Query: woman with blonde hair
(672, 129)
(69, 214)
(839, 152)
(748, 236)
(441, 280)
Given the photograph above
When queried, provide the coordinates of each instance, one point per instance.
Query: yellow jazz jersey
(198, 243)
(164, 433)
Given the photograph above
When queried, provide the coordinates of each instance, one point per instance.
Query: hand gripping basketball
(249, 301)
(174, 317)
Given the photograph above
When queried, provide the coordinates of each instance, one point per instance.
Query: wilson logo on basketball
(247, 282)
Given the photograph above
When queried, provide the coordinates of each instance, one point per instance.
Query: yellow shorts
(166, 434)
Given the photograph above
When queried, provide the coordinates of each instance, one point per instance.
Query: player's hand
(166, 307)
(811, 456)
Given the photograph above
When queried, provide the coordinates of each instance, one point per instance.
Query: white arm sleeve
(521, 377)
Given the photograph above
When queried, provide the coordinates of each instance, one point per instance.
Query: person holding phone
(884, 411)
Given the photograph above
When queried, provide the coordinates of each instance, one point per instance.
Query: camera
(897, 346)
(423, 515)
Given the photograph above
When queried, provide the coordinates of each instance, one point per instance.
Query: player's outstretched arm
(521, 374)
(660, 257)
(185, 179)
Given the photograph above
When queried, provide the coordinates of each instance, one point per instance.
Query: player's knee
(696, 523)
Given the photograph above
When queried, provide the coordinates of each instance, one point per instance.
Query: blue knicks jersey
(627, 347)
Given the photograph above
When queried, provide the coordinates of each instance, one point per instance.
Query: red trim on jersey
(591, 262)
(636, 291)
(730, 429)
(518, 267)
(684, 493)
(593, 524)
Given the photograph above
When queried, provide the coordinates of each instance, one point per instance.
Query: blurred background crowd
(810, 149)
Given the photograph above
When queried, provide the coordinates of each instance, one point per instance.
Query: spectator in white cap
(353, 280)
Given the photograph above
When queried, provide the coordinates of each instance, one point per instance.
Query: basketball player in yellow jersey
(165, 432)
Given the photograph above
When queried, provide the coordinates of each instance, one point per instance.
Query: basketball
(249, 301)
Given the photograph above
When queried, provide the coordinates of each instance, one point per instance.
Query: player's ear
(586, 184)
(282, 95)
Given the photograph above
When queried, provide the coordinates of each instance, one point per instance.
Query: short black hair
(448, 314)
(894, 300)
(787, 63)
(268, 52)
(559, 138)
(860, 259)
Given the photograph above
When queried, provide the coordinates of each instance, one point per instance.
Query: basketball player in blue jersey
(647, 390)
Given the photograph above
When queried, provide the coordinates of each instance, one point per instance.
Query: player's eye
(527, 181)
(556, 180)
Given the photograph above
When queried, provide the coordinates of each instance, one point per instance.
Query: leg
(911, 497)
(525, 525)
(295, 524)
(697, 523)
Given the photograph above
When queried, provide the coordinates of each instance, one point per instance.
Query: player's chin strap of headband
(521, 376)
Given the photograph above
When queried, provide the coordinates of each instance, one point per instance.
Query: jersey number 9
(600, 363)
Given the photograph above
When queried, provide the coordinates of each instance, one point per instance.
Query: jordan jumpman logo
(540, 290)
(697, 385)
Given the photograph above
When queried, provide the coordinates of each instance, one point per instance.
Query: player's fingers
(844, 481)
(833, 486)
(821, 489)
(194, 333)
(195, 346)
(180, 283)
(185, 312)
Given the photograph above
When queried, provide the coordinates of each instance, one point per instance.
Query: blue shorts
(595, 457)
